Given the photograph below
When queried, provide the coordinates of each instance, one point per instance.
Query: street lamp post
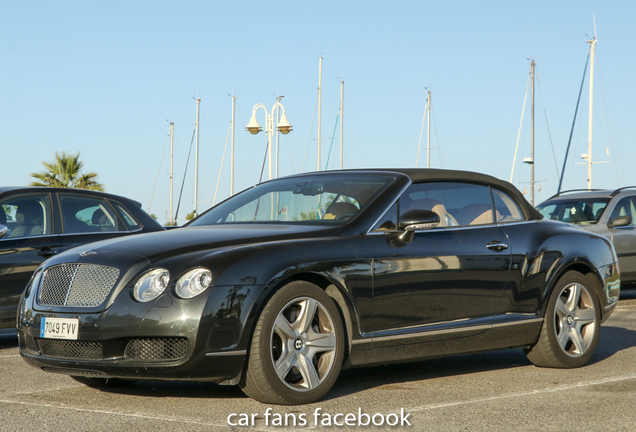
(283, 127)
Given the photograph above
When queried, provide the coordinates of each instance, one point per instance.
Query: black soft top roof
(421, 175)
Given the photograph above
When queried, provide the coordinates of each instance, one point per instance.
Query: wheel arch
(587, 269)
(331, 287)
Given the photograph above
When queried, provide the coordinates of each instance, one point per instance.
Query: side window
(86, 215)
(26, 216)
(457, 204)
(506, 209)
(131, 222)
(625, 207)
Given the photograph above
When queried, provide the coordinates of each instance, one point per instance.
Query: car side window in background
(457, 204)
(507, 209)
(86, 215)
(131, 222)
(549, 211)
(576, 211)
(26, 216)
(625, 207)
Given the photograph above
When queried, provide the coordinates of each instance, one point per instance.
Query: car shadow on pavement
(177, 389)
(613, 340)
(628, 293)
(350, 381)
(8, 341)
(399, 376)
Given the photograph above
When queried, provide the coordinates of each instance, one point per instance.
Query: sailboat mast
(170, 219)
(232, 148)
(589, 145)
(196, 161)
(428, 139)
(341, 124)
(532, 65)
(319, 107)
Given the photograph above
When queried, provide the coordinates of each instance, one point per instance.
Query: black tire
(103, 382)
(571, 326)
(295, 360)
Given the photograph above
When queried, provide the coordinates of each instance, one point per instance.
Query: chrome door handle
(46, 252)
(497, 246)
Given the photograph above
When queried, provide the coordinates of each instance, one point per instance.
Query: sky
(106, 78)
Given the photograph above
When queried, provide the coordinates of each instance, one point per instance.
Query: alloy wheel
(303, 344)
(574, 317)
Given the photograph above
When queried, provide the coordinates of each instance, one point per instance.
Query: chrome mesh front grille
(56, 283)
(156, 349)
(77, 285)
(70, 349)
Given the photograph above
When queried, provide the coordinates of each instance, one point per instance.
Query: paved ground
(494, 392)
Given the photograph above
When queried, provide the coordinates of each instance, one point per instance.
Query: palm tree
(64, 172)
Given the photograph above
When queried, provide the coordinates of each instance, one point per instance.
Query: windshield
(582, 211)
(318, 199)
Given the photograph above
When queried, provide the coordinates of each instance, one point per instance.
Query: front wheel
(297, 347)
(571, 327)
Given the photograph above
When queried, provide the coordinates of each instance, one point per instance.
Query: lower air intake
(70, 349)
(156, 349)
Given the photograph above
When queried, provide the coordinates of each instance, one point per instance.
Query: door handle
(497, 246)
(46, 252)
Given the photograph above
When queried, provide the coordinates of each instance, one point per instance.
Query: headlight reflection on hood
(193, 283)
(151, 284)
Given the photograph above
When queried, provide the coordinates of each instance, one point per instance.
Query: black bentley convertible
(279, 287)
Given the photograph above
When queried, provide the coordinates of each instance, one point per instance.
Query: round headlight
(151, 284)
(193, 283)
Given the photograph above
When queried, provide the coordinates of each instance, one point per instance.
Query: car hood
(158, 245)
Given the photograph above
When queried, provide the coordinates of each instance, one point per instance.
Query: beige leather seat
(338, 209)
(475, 214)
(29, 218)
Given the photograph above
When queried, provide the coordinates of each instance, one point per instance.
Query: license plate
(59, 328)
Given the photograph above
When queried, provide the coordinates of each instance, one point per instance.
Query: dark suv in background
(37, 223)
(610, 213)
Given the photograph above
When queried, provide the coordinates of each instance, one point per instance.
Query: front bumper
(166, 339)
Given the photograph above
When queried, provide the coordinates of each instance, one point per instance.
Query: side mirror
(415, 220)
(3, 230)
(620, 221)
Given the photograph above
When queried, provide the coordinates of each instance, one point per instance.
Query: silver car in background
(610, 213)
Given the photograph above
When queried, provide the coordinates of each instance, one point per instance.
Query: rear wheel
(297, 347)
(571, 327)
